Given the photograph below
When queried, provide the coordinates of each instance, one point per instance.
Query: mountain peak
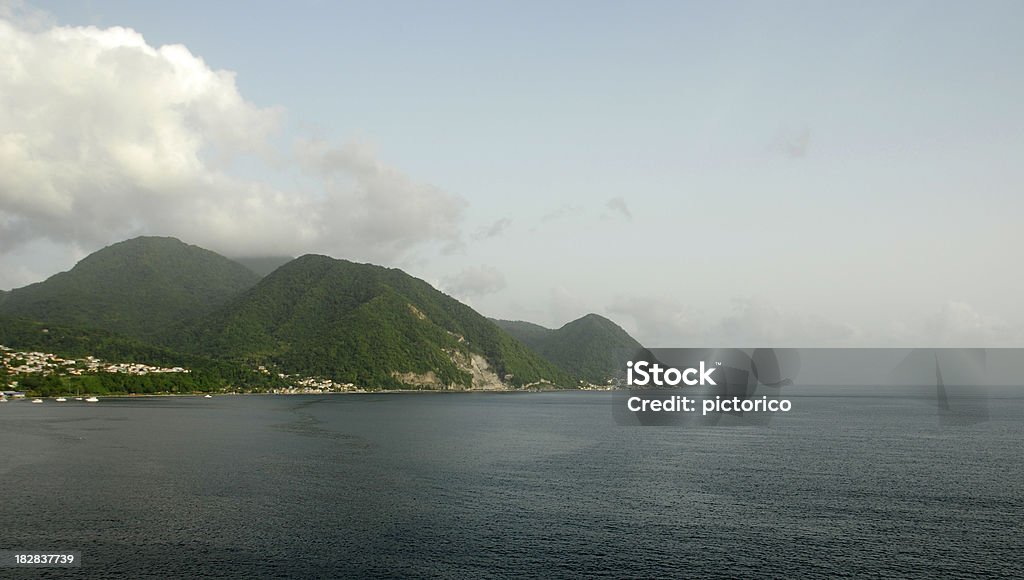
(136, 287)
(591, 347)
(146, 243)
(590, 318)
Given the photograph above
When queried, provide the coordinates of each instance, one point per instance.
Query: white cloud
(562, 212)
(474, 281)
(758, 323)
(494, 230)
(794, 145)
(665, 322)
(377, 207)
(103, 136)
(958, 324)
(617, 205)
(563, 306)
(26, 16)
(18, 275)
(656, 322)
(662, 322)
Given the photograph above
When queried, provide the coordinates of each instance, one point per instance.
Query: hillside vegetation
(205, 374)
(163, 302)
(592, 348)
(136, 288)
(362, 324)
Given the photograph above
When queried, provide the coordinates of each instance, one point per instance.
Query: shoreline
(201, 394)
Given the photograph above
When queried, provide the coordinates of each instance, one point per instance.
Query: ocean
(509, 485)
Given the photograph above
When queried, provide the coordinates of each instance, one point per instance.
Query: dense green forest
(592, 348)
(359, 323)
(137, 288)
(162, 302)
(119, 384)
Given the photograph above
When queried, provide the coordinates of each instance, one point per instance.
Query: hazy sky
(704, 173)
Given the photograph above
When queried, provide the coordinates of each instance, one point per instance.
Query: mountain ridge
(591, 347)
(263, 265)
(313, 316)
(135, 287)
(365, 324)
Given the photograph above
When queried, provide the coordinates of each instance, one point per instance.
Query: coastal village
(14, 363)
(19, 362)
(310, 385)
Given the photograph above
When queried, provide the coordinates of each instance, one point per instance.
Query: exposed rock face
(477, 366)
(417, 312)
(427, 380)
(483, 376)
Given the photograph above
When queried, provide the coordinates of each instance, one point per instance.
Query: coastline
(202, 394)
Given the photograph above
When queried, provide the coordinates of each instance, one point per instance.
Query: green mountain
(592, 348)
(311, 317)
(368, 325)
(263, 265)
(137, 288)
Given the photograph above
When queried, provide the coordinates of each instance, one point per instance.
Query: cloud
(755, 323)
(474, 281)
(561, 212)
(26, 16)
(752, 322)
(617, 205)
(494, 230)
(794, 145)
(18, 275)
(374, 205)
(656, 322)
(563, 306)
(958, 324)
(663, 322)
(103, 136)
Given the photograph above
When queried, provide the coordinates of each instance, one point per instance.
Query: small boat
(92, 400)
(3, 399)
(60, 400)
(37, 400)
(208, 397)
(78, 398)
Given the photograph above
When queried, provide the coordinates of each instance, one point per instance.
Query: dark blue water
(497, 485)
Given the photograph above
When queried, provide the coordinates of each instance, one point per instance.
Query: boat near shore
(37, 401)
(92, 400)
(60, 400)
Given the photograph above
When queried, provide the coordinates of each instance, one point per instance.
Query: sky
(703, 173)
